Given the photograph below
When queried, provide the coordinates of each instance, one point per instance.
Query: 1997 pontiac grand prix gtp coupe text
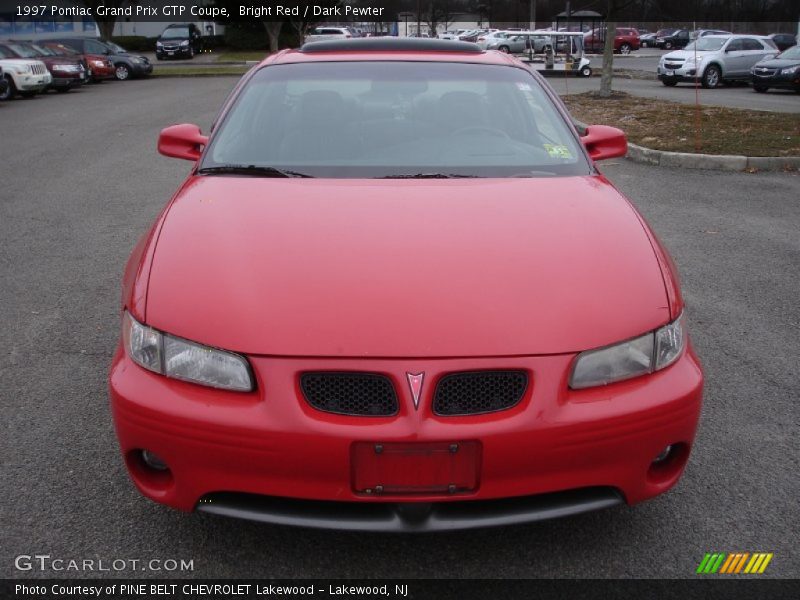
(394, 293)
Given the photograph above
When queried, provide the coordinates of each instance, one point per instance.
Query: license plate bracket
(415, 467)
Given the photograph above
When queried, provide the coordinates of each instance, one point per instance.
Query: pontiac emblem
(415, 384)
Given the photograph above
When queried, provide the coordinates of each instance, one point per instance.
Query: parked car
(98, 67)
(781, 72)
(26, 77)
(715, 59)
(329, 33)
(783, 41)
(4, 85)
(179, 40)
(126, 65)
(516, 42)
(679, 38)
(626, 39)
(67, 73)
(647, 40)
(698, 33)
(301, 351)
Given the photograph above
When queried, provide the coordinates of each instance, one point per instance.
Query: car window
(387, 118)
(95, 47)
(175, 33)
(5, 53)
(23, 51)
(734, 46)
(751, 44)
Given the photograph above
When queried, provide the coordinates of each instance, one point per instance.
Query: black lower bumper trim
(409, 516)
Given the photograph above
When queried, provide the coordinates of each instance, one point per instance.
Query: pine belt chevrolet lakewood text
(394, 293)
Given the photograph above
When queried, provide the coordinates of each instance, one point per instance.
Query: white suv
(329, 33)
(24, 76)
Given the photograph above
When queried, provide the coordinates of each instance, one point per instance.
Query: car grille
(358, 394)
(673, 65)
(38, 69)
(764, 71)
(171, 47)
(477, 392)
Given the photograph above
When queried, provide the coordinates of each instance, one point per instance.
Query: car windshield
(44, 50)
(792, 53)
(116, 48)
(383, 119)
(175, 33)
(706, 44)
(24, 51)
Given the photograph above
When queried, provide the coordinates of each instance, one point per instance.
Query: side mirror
(182, 141)
(604, 142)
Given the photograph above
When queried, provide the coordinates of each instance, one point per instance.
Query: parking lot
(81, 181)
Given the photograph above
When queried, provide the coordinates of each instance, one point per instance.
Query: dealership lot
(81, 181)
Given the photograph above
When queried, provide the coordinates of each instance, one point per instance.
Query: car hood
(404, 268)
(778, 63)
(19, 62)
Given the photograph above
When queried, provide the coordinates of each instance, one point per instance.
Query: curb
(713, 162)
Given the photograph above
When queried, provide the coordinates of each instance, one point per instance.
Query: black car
(678, 39)
(3, 86)
(783, 41)
(126, 65)
(783, 71)
(179, 40)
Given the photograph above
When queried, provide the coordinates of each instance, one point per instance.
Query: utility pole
(533, 15)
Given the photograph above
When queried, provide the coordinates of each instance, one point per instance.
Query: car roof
(391, 49)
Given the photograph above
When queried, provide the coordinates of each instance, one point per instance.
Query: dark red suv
(625, 40)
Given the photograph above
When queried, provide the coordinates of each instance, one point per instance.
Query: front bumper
(682, 74)
(787, 82)
(68, 82)
(180, 52)
(239, 454)
(33, 83)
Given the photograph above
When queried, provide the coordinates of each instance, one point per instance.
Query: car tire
(586, 71)
(760, 88)
(712, 77)
(669, 82)
(191, 53)
(28, 94)
(11, 91)
(159, 57)
(625, 49)
(122, 72)
(504, 49)
(63, 90)
(667, 45)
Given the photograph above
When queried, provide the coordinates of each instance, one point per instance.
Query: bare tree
(613, 8)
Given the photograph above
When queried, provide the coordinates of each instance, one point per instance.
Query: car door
(735, 60)
(754, 50)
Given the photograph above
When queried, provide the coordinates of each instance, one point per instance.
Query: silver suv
(713, 59)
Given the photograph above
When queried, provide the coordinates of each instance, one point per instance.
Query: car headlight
(645, 354)
(181, 359)
(98, 63)
(22, 70)
(159, 44)
(185, 43)
(790, 70)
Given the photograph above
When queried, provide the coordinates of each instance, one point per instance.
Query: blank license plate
(415, 468)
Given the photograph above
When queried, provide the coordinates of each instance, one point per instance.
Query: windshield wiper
(428, 176)
(251, 170)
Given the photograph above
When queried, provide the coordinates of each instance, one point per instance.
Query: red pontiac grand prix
(394, 293)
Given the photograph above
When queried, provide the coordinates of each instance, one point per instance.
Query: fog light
(154, 461)
(663, 455)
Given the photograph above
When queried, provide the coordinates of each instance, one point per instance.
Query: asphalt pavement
(81, 181)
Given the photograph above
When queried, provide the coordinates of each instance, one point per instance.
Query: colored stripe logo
(734, 563)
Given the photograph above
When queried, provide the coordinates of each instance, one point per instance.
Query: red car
(395, 293)
(98, 66)
(67, 72)
(626, 39)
